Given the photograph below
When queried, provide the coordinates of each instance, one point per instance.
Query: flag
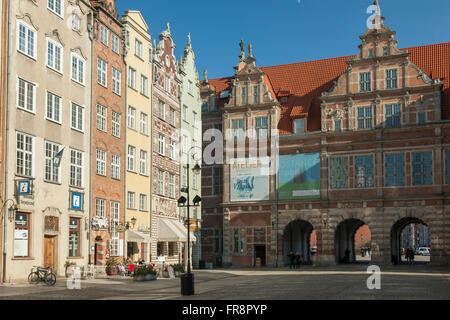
(57, 158)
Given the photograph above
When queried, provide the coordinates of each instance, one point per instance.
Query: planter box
(147, 277)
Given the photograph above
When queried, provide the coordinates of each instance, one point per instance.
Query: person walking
(291, 256)
(411, 257)
(298, 260)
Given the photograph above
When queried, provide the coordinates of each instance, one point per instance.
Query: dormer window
(299, 126)
(370, 53)
(244, 95)
(255, 95)
(364, 82)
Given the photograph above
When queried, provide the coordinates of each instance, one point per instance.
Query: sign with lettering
(76, 201)
(24, 187)
(249, 179)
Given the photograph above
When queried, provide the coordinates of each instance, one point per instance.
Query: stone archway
(344, 240)
(396, 231)
(296, 238)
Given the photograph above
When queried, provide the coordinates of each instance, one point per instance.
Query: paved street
(342, 282)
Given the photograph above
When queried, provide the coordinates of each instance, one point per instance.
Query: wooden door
(49, 252)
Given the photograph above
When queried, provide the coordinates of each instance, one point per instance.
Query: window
(172, 249)
(218, 180)
(26, 95)
(365, 117)
(167, 84)
(132, 78)
(56, 6)
(143, 163)
(144, 85)
(447, 166)
(138, 49)
(370, 52)
(24, 154)
(51, 171)
(161, 146)
(131, 200)
(115, 124)
(161, 110)
(76, 168)
(364, 81)
(131, 158)
(22, 235)
(77, 117)
(186, 113)
(393, 115)
(77, 70)
(143, 202)
(338, 125)
(217, 241)
(26, 40)
(53, 107)
(102, 113)
(299, 126)
(339, 173)
(172, 149)
(101, 162)
(116, 81)
(255, 95)
(391, 79)
(54, 55)
(243, 95)
(205, 107)
(172, 116)
(115, 43)
(190, 87)
(239, 240)
(385, 51)
(422, 165)
(194, 119)
(75, 22)
(115, 220)
(364, 171)
(421, 118)
(395, 170)
(262, 126)
(115, 240)
(102, 72)
(131, 118)
(171, 185)
(74, 237)
(144, 123)
(104, 35)
(100, 208)
(115, 166)
(161, 182)
(237, 128)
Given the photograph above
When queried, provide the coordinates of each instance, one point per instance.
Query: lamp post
(187, 280)
(11, 211)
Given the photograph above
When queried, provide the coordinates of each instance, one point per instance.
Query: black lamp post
(187, 280)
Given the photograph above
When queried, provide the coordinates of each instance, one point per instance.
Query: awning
(173, 231)
(136, 236)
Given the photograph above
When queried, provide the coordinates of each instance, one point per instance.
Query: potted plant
(68, 269)
(178, 269)
(111, 266)
(145, 273)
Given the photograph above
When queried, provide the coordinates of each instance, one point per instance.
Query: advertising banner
(249, 179)
(299, 176)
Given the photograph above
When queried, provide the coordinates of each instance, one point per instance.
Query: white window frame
(26, 95)
(172, 149)
(131, 116)
(78, 109)
(132, 78)
(131, 158)
(115, 43)
(161, 110)
(76, 168)
(131, 200)
(100, 207)
(144, 123)
(138, 46)
(143, 202)
(52, 107)
(160, 189)
(61, 4)
(115, 124)
(28, 29)
(104, 31)
(296, 121)
(102, 72)
(161, 144)
(143, 163)
(78, 60)
(101, 156)
(76, 21)
(144, 85)
(27, 155)
(52, 64)
(172, 116)
(115, 166)
(171, 185)
(49, 163)
(102, 119)
(116, 81)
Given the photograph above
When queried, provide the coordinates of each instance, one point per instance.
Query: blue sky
(285, 31)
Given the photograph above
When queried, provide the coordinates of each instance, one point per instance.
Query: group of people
(295, 260)
(365, 251)
(409, 256)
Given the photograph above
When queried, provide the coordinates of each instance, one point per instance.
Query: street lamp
(11, 212)
(187, 280)
(133, 222)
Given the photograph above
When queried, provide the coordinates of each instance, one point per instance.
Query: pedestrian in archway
(291, 257)
(298, 260)
(411, 257)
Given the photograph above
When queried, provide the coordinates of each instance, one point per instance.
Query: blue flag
(57, 158)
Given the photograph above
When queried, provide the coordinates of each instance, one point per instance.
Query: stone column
(227, 259)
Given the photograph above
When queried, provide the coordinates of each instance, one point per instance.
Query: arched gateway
(344, 240)
(297, 238)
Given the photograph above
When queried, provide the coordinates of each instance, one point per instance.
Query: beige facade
(49, 111)
(138, 135)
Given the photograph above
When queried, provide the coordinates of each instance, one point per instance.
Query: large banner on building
(299, 176)
(249, 179)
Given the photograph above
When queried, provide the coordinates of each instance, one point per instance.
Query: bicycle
(39, 274)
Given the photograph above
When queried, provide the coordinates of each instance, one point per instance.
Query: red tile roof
(304, 82)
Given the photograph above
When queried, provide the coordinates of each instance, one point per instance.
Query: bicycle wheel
(50, 279)
(33, 278)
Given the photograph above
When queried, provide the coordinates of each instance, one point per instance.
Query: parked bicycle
(39, 274)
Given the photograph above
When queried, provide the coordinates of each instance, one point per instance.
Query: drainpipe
(6, 137)
(91, 37)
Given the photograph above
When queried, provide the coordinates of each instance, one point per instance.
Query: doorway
(49, 252)
(260, 252)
